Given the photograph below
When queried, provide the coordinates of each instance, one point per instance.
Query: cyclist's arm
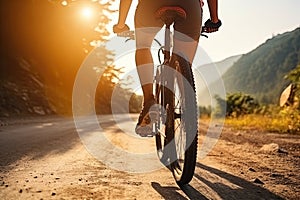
(213, 10)
(212, 24)
(124, 7)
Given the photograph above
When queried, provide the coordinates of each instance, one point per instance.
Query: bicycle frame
(167, 51)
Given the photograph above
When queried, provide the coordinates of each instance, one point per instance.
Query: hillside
(208, 74)
(261, 72)
(22, 91)
(222, 67)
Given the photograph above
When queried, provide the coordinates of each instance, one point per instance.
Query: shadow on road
(167, 192)
(171, 192)
(192, 193)
(243, 190)
(214, 183)
(35, 140)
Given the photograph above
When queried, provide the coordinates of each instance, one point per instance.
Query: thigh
(145, 36)
(187, 32)
(191, 26)
(146, 25)
(145, 14)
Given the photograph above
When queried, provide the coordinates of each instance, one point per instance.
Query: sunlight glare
(64, 3)
(87, 12)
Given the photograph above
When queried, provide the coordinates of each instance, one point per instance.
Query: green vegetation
(255, 83)
(294, 77)
(243, 111)
(261, 72)
(205, 111)
(235, 105)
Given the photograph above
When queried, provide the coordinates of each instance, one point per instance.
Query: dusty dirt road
(45, 159)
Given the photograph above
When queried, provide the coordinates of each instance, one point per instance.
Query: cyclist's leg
(188, 31)
(144, 61)
(188, 49)
(145, 31)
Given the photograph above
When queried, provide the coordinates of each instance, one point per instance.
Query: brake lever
(204, 35)
(127, 34)
(203, 30)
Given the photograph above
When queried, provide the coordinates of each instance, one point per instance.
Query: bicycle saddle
(169, 14)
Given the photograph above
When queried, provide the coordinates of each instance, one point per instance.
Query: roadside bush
(205, 111)
(271, 118)
(291, 116)
(236, 104)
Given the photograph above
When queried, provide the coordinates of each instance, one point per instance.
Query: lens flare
(64, 3)
(87, 12)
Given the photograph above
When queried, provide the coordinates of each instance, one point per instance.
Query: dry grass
(281, 123)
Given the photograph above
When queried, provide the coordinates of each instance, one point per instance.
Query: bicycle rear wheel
(177, 140)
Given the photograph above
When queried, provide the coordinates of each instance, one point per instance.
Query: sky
(246, 25)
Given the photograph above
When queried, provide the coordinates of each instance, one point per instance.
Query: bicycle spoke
(162, 133)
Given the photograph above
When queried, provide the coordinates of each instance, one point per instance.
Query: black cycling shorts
(191, 26)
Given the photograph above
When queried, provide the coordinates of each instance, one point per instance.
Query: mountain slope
(261, 72)
(21, 89)
(221, 67)
(208, 75)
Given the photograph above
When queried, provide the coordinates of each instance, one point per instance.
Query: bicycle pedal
(154, 116)
(145, 131)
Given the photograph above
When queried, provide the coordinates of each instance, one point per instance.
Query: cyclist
(145, 31)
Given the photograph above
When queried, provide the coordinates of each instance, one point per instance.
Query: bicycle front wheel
(176, 131)
(183, 122)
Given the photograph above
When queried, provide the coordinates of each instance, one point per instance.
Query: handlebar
(130, 34)
(127, 34)
(203, 30)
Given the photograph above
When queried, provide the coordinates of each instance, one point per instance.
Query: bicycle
(176, 130)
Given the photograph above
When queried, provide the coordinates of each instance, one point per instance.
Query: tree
(205, 111)
(221, 107)
(236, 104)
(54, 38)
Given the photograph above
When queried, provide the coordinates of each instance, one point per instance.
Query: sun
(87, 12)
